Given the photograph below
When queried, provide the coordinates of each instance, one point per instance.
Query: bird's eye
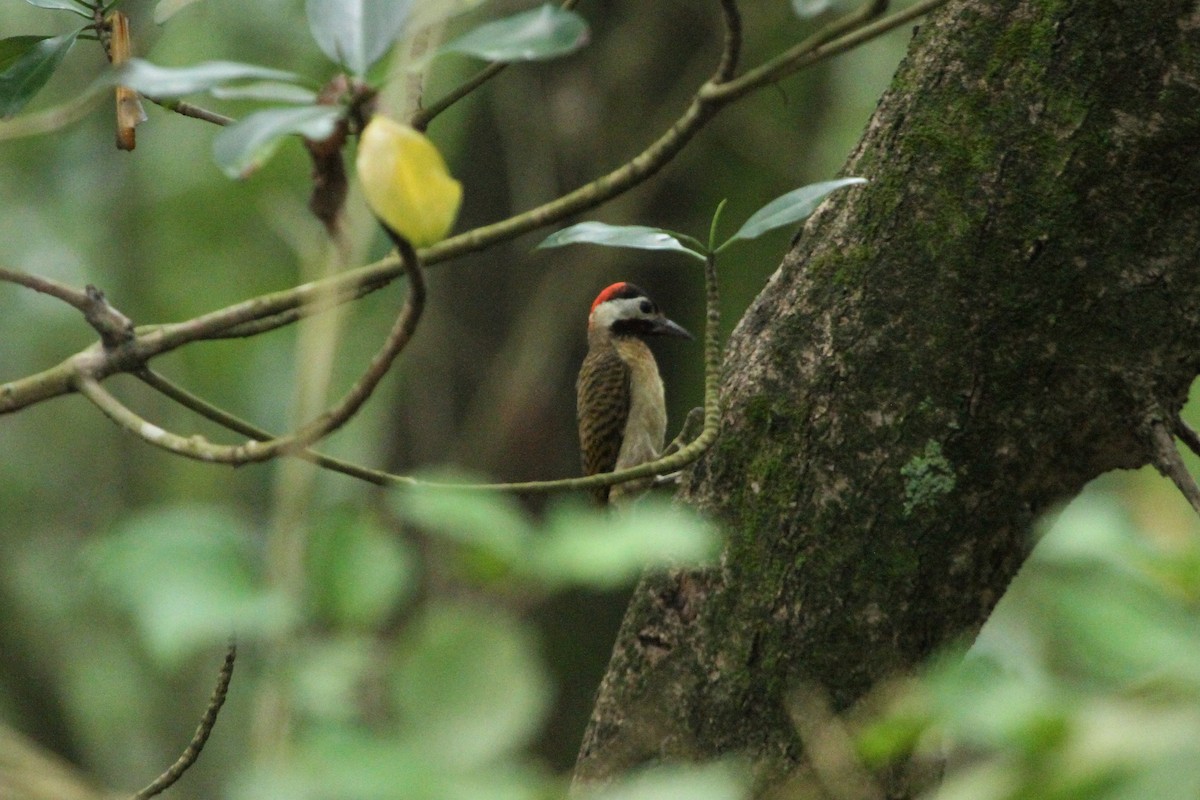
(647, 307)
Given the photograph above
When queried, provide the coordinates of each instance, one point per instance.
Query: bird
(620, 402)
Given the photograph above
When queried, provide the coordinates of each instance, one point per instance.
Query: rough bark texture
(946, 352)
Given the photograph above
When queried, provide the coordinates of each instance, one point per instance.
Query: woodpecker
(619, 393)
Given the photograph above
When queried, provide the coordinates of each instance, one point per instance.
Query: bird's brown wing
(602, 402)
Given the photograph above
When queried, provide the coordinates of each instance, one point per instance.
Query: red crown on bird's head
(616, 290)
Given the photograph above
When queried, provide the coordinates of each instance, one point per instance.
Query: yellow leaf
(406, 182)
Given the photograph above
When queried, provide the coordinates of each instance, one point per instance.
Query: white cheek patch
(610, 311)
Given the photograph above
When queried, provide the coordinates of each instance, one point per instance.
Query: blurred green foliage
(442, 705)
(1085, 683)
(574, 546)
(187, 577)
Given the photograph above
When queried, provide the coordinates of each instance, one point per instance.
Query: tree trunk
(996, 319)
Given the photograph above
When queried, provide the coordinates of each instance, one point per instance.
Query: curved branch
(149, 341)
(203, 730)
(196, 447)
(222, 417)
(840, 36)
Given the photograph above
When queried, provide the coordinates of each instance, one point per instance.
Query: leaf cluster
(1084, 684)
(354, 34)
(787, 209)
(405, 692)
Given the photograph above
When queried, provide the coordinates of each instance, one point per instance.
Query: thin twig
(1186, 433)
(76, 298)
(841, 36)
(203, 730)
(421, 118)
(191, 110)
(154, 340)
(353, 290)
(196, 447)
(732, 50)
(1168, 461)
(114, 327)
(105, 29)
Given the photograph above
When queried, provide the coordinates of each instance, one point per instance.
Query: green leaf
(274, 91)
(14, 47)
(169, 8)
(433, 12)
(73, 6)
(188, 576)
(246, 145)
(328, 672)
(356, 33)
(169, 82)
(586, 547)
(349, 761)
(534, 35)
(490, 521)
(638, 237)
(55, 117)
(789, 208)
(715, 781)
(28, 72)
(358, 572)
(1082, 684)
(471, 687)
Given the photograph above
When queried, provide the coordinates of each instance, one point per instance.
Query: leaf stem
(421, 118)
(712, 227)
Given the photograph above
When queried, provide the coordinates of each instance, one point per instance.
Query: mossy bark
(993, 321)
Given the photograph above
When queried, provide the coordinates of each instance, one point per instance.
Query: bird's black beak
(665, 327)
